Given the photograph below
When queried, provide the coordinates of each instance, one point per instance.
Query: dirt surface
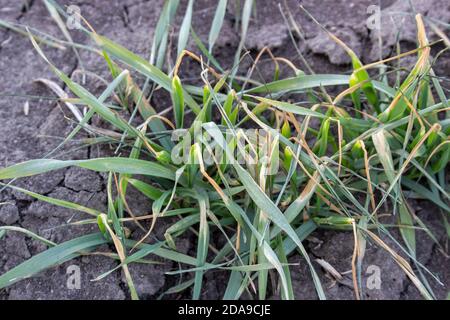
(27, 135)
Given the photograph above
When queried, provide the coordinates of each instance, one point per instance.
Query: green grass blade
(217, 23)
(265, 204)
(57, 202)
(142, 66)
(185, 28)
(50, 258)
(178, 102)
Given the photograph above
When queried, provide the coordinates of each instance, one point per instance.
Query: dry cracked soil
(31, 134)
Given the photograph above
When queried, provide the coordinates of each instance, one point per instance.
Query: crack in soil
(126, 18)
(26, 7)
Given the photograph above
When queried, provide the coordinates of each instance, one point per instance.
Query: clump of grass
(263, 190)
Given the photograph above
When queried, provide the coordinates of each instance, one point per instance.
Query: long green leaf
(50, 258)
(119, 165)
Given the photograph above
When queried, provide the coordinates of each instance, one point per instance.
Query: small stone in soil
(9, 213)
